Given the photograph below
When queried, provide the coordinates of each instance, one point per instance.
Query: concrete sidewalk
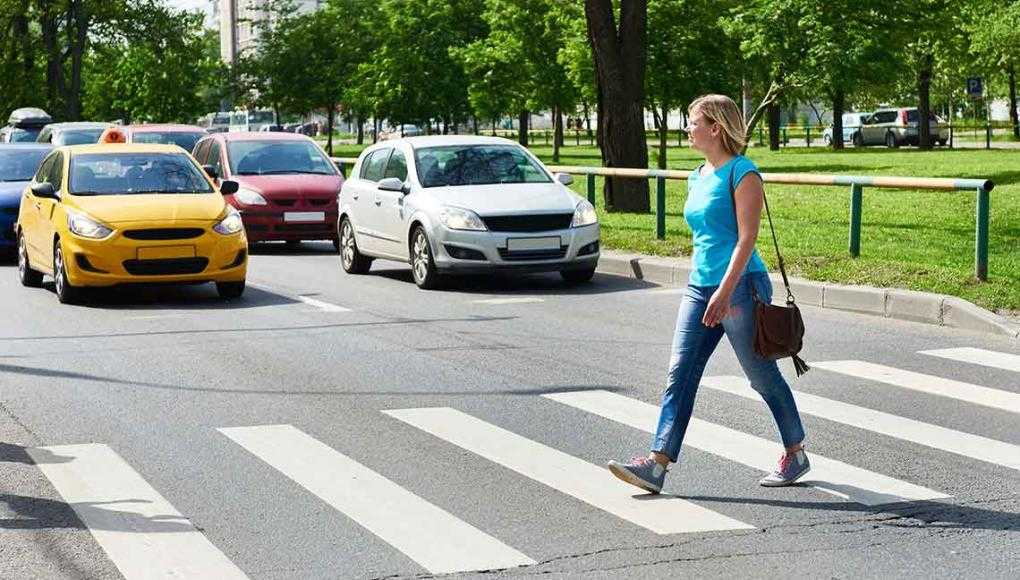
(923, 307)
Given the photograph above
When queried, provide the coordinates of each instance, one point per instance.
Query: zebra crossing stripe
(570, 475)
(930, 384)
(965, 444)
(144, 536)
(435, 539)
(979, 356)
(828, 475)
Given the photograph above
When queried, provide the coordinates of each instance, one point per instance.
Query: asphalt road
(328, 425)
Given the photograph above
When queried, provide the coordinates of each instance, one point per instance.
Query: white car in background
(464, 204)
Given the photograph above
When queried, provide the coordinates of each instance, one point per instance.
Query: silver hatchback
(464, 204)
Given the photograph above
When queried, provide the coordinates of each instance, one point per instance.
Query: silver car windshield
(455, 165)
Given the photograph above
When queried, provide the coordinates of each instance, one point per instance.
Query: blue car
(18, 164)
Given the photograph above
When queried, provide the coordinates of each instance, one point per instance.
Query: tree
(619, 55)
(995, 41)
(686, 61)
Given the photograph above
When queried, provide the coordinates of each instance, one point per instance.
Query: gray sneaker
(643, 472)
(791, 468)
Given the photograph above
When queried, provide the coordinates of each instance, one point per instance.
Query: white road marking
(979, 356)
(324, 306)
(925, 383)
(959, 442)
(435, 539)
(139, 530)
(828, 475)
(522, 300)
(575, 477)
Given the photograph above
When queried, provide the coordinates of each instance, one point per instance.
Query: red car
(288, 185)
(184, 136)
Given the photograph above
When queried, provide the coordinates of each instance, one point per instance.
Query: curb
(924, 307)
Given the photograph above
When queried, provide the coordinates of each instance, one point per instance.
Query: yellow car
(100, 215)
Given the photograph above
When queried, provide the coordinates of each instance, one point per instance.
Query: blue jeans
(694, 343)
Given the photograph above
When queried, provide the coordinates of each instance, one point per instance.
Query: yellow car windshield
(130, 173)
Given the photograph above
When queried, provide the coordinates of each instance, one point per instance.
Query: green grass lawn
(921, 240)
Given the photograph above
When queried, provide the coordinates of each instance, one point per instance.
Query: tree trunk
(522, 121)
(774, 130)
(924, 102)
(329, 128)
(838, 105)
(557, 132)
(474, 123)
(1012, 102)
(54, 64)
(376, 127)
(361, 130)
(619, 56)
(494, 126)
(78, 35)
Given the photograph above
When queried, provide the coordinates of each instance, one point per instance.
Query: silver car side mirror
(393, 184)
(565, 178)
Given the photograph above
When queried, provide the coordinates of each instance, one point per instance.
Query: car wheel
(578, 276)
(942, 142)
(352, 261)
(26, 274)
(858, 140)
(827, 139)
(228, 290)
(423, 266)
(890, 141)
(66, 293)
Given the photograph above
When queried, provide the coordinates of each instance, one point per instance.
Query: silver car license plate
(304, 216)
(527, 244)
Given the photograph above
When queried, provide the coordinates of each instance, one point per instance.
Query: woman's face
(701, 131)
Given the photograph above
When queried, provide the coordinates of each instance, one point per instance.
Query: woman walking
(723, 210)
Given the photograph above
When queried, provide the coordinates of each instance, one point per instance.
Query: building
(237, 18)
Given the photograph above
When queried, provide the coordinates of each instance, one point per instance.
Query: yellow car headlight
(86, 227)
(231, 224)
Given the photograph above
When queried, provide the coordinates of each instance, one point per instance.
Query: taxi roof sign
(113, 135)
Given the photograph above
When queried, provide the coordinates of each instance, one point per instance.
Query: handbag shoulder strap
(775, 241)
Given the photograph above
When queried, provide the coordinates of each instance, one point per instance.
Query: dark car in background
(24, 125)
(18, 165)
(75, 133)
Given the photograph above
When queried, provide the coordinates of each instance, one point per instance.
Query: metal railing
(857, 183)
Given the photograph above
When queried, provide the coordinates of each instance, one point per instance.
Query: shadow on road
(543, 284)
(926, 514)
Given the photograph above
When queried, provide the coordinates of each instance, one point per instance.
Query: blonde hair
(722, 110)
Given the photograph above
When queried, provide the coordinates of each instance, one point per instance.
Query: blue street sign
(975, 87)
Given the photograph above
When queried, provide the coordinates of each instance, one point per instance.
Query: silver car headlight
(86, 227)
(249, 197)
(584, 215)
(456, 218)
(231, 224)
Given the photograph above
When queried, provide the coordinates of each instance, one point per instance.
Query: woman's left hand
(718, 308)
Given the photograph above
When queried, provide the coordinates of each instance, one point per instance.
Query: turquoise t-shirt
(709, 213)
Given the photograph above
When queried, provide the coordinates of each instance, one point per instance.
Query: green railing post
(988, 136)
(808, 129)
(660, 207)
(856, 195)
(591, 188)
(761, 136)
(786, 140)
(577, 137)
(981, 251)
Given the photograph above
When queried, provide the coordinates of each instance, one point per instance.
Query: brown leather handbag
(778, 330)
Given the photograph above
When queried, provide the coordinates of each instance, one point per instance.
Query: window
(214, 158)
(201, 151)
(396, 166)
(56, 176)
(374, 166)
(884, 117)
(78, 136)
(182, 139)
(130, 173)
(278, 157)
(18, 165)
(44, 170)
(456, 165)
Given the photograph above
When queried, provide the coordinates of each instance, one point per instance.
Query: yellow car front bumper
(182, 252)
